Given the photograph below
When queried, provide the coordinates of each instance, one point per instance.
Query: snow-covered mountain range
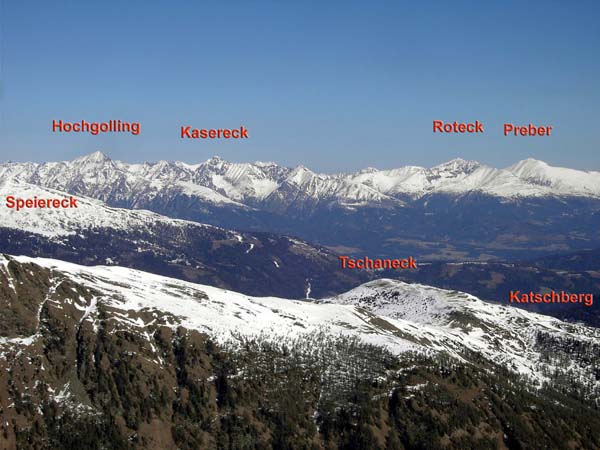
(251, 185)
(389, 313)
(460, 209)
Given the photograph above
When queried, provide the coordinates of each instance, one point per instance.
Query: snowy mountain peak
(527, 164)
(214, 160)
(96, 157)
(458, 166)
(558, 179)
(301, 174)
(265, 164)
(367, 170)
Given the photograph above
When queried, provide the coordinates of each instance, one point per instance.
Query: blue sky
(333, 85)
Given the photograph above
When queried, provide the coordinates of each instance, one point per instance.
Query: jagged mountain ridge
(93, 233)
(246, 184)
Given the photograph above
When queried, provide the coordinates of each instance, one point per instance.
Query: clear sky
(336, 85)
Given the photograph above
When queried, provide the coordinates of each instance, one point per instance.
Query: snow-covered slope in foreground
(217, 312)
(393, 314)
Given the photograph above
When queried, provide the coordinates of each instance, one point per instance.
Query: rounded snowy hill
(452, 321)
